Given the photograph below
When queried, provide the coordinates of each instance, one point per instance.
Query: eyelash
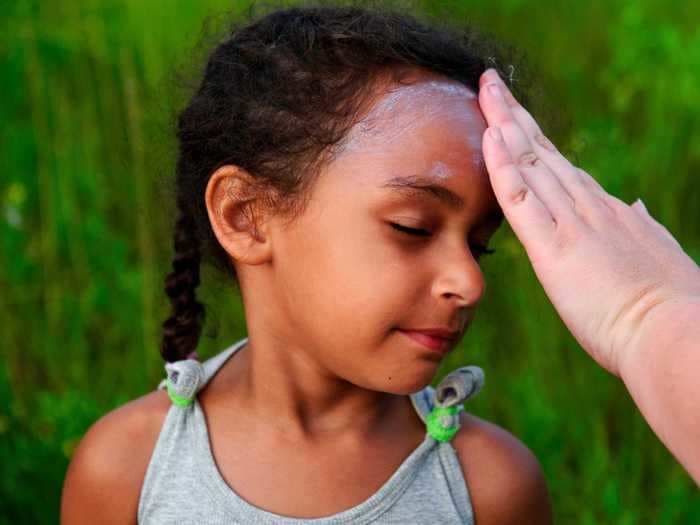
(425, 233)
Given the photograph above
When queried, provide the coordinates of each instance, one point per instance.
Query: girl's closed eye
(419, 232)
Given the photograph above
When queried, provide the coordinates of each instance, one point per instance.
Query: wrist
(666, 325)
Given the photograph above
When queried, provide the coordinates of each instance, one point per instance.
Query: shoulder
(505, 480)
(104, 478)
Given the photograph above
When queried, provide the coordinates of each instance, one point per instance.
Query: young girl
(330, 161)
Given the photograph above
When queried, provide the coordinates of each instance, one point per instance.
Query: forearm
(662, 374)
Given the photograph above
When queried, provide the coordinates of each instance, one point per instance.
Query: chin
(408, 383)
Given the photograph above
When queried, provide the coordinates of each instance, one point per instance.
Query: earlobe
(233, 206)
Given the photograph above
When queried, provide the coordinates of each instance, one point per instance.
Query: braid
(182, 329)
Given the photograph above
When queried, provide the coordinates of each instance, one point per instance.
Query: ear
(233, 209)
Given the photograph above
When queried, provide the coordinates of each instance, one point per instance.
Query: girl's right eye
(410, 231)
(483, 250)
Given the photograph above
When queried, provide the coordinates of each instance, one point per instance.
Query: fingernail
(495, 134)
(492, 72)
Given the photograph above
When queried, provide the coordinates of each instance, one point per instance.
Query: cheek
(323, 277)
(345, 278)
(364, 275)
(374, 275)
(347, 294)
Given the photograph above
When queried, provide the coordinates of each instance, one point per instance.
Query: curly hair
(276, 98)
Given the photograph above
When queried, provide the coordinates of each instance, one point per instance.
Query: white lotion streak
(404, 109)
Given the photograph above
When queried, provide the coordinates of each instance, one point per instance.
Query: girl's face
(349, 278)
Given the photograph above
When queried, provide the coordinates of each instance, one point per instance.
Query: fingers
(536, 173)
(526, 213)
(587, 194)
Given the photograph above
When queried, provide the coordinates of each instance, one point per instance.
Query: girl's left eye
(425, 233)
(411, 231)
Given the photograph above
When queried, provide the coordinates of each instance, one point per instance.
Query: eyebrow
(416, 184)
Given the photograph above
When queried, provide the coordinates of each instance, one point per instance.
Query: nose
(459, 278)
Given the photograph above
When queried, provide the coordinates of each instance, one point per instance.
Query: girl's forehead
(424, 110)
(425, 135)
(420, 91)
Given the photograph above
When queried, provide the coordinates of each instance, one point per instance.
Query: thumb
(639, 205)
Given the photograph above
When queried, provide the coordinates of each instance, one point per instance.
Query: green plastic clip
(175, 398)
(443, 422)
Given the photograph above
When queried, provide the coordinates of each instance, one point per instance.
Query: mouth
(435, 343)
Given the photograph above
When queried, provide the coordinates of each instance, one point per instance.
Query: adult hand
(604, 265)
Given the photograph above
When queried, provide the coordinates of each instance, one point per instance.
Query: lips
(429, 340)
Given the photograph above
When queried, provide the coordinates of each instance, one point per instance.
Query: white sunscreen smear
(406, 108)
(439, 171)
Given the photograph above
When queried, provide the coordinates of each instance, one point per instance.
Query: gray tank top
(183, 485)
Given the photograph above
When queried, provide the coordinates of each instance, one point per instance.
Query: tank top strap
(186, 377)
(439, 407)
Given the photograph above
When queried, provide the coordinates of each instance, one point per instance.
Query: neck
(291, 393)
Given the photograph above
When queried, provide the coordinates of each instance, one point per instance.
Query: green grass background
(87, 153)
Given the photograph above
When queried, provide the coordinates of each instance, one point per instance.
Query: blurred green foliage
(87, 152)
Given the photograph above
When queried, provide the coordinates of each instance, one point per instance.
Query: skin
(307, 376)
(319, 393)
(640, 316)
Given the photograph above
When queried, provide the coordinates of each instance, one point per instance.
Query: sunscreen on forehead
(407, 108)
